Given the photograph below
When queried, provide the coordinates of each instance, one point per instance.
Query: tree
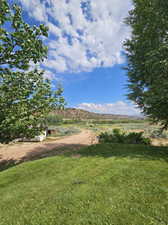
(147, 54)
(25, 97)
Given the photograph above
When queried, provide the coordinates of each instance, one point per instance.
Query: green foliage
(21, 45)
(147, 53)
(119, 136)
(25, 97)
(59, 102)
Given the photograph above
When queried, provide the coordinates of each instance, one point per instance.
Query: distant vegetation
(78, 116)
(53, 119)
(118, 121)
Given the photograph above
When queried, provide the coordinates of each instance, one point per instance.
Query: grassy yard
(108, 184)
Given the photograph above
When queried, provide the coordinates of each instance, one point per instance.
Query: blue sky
(99, 86)
(85, 50)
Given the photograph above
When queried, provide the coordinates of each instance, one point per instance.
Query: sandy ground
(28, 150)
(14, 153)
(159, 141)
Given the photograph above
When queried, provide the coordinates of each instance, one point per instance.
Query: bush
(119, 136)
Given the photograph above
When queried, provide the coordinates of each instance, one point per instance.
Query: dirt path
(27, 151)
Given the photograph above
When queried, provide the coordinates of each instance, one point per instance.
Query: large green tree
(147, 53)
(25, 97)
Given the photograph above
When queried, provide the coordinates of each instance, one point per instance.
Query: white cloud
(48, 75)
(120, 107)
(35, 9)
(86, 34)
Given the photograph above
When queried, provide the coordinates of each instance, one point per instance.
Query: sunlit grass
(99, 185)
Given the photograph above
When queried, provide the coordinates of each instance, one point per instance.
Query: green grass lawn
(108, 184)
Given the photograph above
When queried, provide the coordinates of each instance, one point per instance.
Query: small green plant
(119, 136)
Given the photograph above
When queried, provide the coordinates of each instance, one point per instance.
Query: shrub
(118, 136)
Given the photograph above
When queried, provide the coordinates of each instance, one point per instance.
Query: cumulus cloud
(35, 9)
(120, 107)
(84, 34)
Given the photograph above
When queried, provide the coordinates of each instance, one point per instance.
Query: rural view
(83, 112)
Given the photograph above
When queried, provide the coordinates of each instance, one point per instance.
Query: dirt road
(27, 151)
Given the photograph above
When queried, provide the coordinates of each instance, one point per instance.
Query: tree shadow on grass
(5, 164)
(130, 151)
(39, 152)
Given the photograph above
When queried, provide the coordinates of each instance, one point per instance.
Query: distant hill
(73, 113)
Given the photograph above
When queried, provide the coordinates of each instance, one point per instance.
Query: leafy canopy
(25, 97)
(147, 53)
